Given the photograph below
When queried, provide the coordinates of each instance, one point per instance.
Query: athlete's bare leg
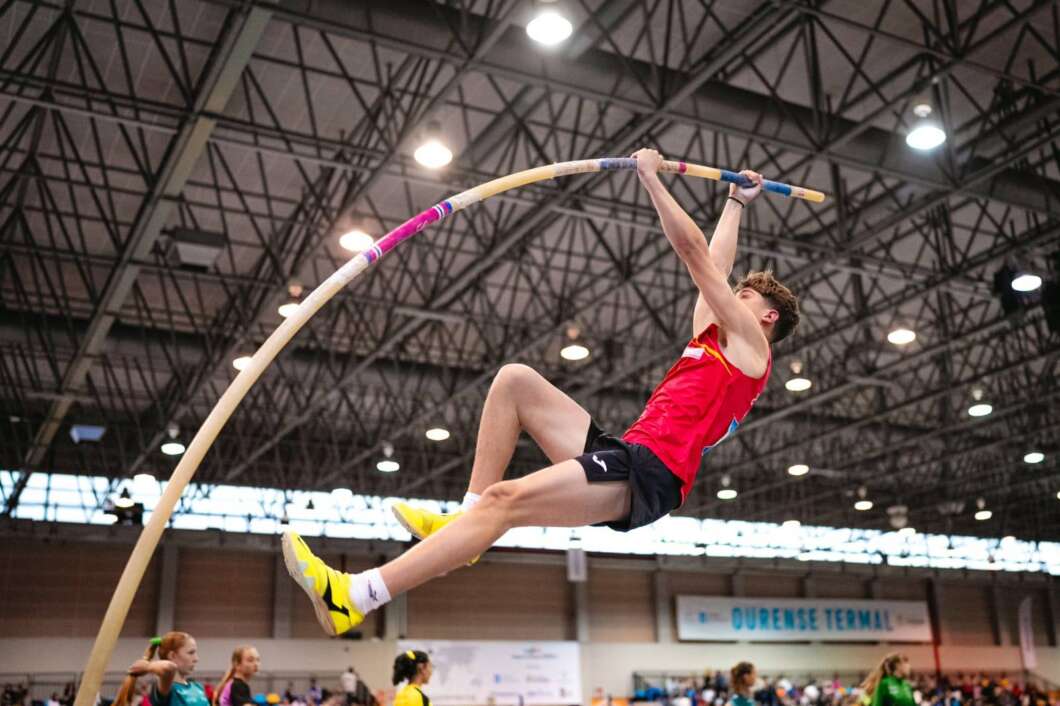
(520, 399)
(557, 496)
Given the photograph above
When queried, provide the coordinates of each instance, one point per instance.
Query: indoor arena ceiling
(130, 127)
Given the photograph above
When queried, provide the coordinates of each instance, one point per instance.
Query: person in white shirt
(348, 682)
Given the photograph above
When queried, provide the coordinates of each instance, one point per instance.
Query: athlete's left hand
(747, 194)
(648, 161)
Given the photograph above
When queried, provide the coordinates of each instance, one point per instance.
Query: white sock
(367, 590)
(469, 501)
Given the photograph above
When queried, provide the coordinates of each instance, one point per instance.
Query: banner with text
(791, 620)
(500, 672)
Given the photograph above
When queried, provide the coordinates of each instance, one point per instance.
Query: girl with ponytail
(177, 656)
(888, 684)
(744, 676)
(234, 689)
(414, 667)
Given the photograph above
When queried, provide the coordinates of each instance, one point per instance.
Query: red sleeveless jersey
(702, 400)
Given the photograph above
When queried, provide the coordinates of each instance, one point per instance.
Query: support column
(1052, 611)
(664, 610)
(876, 593)
(581, 610)
(282, 598)
(934, 592)
(396, 618)
(167, 591)
(997, 617)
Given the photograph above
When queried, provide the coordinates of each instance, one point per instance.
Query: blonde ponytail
(887, 667)
(237, 657)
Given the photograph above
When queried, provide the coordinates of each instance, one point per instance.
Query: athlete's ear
(771, 316)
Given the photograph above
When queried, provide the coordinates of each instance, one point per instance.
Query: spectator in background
(415, 668)
(348, 683)
(888, 685)
(234, 689)
(14, 695)
(315, 695)
(744, 675)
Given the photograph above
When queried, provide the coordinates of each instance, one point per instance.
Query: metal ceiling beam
(715, 106)
(233, 51)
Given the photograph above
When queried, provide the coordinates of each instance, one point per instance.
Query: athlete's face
(759, 305)
(425, 670)
(250, 663)
(185, 657)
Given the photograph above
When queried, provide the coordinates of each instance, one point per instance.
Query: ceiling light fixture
(901, 336)
(863, 503)
(387, 465)
(1026, 282)
(173, 447)
(437, 434)
(797, 383)
(356, 241)
(573, 351)
(432, 152)
(982, 513)
(798, 469)
(549, 27)
(726, 493)
(791, 524)
(1033, 457)
(907, 532)
(979, 408)
(926, 134)
(241, 362)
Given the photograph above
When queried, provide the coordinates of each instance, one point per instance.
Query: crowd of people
(892, 683)
(172, 660)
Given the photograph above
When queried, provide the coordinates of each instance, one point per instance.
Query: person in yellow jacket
(414, 667)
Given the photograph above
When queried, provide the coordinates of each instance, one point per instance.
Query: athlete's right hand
(648, 161)
(747, 194)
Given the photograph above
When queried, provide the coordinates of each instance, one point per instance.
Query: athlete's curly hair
(779, 297)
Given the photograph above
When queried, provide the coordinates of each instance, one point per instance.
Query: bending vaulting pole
(130, 579)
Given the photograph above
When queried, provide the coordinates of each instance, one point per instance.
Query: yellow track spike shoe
(423, 523)
(328, 589)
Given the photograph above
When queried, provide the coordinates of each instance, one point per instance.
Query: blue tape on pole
(735, 178)
(777, 188)
(618, 163)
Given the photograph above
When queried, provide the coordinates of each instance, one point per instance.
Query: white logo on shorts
(601, 463)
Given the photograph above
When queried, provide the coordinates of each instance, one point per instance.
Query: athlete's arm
(691, 246)
(164, 669)
(723, 241)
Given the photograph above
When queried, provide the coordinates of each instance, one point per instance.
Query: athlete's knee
(502, 498)
(512, 376)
